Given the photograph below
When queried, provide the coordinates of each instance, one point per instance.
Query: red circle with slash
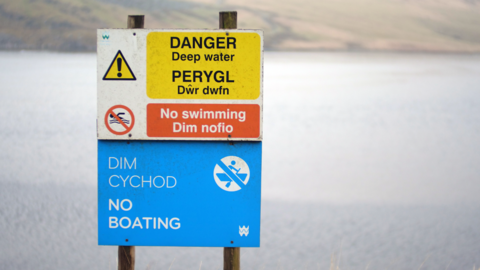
(119, 120)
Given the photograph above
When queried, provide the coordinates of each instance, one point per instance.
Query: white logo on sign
(243, 231)
(231, 173)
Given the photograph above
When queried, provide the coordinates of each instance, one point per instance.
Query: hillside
(393, 25)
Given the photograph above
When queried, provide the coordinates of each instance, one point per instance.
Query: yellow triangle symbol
(119, 69)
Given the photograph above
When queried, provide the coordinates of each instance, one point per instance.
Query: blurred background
(347, 25)
(371, 151)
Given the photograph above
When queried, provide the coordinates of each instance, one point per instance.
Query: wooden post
(126, 258)
(231, 256)
(126, 254)
(228, 20)
(135, 21)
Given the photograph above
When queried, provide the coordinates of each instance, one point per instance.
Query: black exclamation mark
(119, 67)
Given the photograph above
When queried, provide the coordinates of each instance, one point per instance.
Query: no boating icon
(119, 120)
(231, 173)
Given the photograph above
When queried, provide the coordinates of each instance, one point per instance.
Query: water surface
(370, 162)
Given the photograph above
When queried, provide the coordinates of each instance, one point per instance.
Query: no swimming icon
(119, 120)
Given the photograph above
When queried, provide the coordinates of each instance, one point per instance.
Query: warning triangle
(119, 69)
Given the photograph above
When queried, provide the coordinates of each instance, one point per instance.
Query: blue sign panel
(178, 193)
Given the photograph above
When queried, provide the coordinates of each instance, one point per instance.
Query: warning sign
(119, 120)
(203, 65)
(119, 69)
(228, 121)
(182, 84)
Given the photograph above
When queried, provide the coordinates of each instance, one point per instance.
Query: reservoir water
(371, 161)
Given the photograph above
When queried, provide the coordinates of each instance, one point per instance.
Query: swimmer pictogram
(119, 120)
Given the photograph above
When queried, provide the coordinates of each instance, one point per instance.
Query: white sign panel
(179, 84)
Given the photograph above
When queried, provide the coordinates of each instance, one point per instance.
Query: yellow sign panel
(119, 69)
(203, 65)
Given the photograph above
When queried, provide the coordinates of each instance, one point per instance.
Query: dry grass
(427, 25)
